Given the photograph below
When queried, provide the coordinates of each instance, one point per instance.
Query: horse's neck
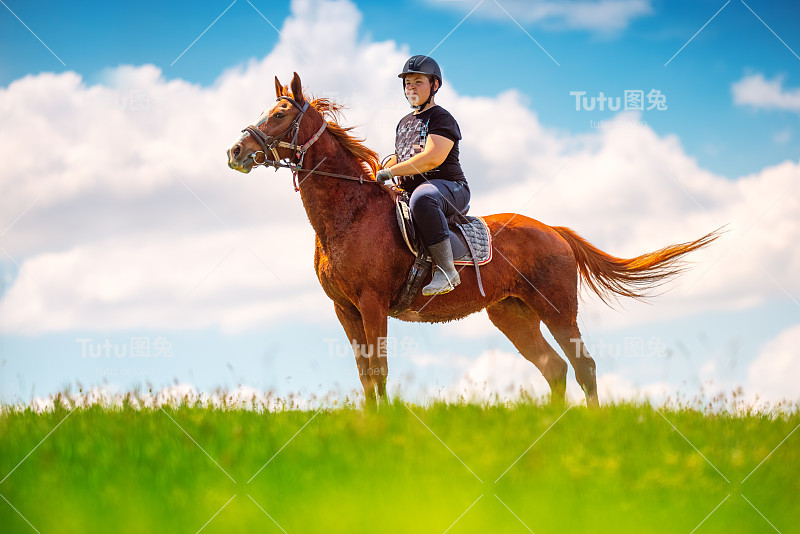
(332, 204)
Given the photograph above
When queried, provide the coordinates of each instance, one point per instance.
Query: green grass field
(406, 468)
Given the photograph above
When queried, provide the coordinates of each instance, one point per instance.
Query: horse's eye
(279, 115)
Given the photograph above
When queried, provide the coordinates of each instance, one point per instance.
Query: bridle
(271, 144)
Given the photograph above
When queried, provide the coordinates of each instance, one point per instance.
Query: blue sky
(487, 52)
(490, 51)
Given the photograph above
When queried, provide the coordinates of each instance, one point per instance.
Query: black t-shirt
(412, 133)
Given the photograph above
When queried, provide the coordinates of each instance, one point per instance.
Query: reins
(271, 144)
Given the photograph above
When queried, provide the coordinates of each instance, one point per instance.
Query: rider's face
(418, 88)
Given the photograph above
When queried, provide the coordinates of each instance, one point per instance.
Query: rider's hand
(383, 175)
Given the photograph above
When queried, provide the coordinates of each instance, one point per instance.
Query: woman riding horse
(361, 260)
(426, 160)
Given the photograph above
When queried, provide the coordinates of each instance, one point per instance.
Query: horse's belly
(439, 314)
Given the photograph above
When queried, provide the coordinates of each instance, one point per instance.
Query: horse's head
(272, 137)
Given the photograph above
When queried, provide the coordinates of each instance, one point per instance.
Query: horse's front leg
(353, 326)
(374, 314)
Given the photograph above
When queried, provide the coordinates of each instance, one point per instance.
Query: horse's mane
(331, 112)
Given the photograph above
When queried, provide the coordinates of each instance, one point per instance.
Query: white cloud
(500, 374)
(475, 326)
(782, 137)
(221, 278)
(593, 15)
(134, 205)
(758, 92)
(774, 375)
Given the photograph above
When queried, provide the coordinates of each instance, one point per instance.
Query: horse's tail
(609, 276)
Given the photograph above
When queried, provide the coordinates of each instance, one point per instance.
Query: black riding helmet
(422, 65)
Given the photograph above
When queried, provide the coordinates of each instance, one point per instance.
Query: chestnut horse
(362, 261)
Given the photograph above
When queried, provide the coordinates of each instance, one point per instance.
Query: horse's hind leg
(569, 339)
(520, 323)
(556, 301)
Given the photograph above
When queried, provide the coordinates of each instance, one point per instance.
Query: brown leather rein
(271, 144)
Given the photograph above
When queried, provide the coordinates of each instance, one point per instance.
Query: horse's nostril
(236, 150)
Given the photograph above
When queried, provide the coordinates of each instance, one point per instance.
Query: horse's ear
(278, 88)
(297, 90)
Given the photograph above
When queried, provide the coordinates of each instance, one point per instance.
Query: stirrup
(450, 285)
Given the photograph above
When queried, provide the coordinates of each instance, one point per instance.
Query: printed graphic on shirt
(412, 135)
(411, 138)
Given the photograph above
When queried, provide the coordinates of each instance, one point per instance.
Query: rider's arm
(437, 147)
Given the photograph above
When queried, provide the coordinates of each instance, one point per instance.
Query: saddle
(469, 238)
